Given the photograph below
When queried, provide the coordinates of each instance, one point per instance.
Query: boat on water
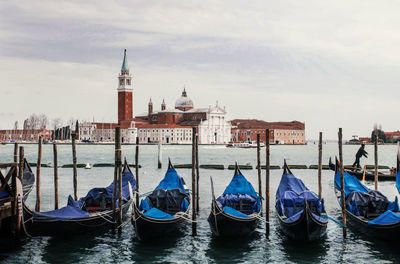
(165, 210)
(369, 174)
(87, 166)
(368, 211)
(28, 180)
(237, 211)
(301, 213)
(249, 144)
(90, 213)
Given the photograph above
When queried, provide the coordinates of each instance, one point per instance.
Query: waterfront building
(8, 135)
(292, 133)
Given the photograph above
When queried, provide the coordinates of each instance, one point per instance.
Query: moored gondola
(368, 174)
(301, 213)
(90, 213)
(237, 211)
(165, 210)
(368, 211)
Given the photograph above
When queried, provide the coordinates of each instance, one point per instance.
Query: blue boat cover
(157, 214)
(387, 217)
(239, 185)
(398, 181)
(294, 217)
(64, 213)
(171, 181)
(229, 210)
(351, 184)
(73, 210)
(291, 196)
(4, 194)
(168, 198)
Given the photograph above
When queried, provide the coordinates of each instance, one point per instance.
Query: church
(168, 125)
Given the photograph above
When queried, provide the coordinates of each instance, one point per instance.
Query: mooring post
(376, 160)
(267, 165)
(194, 195)
(159, 155)
(259, 165)
(16, 223)
(21, 165)
(75, 167)
(117, 147)
(320, 165)
(39, 163)
(197, 174)
(55, 175)
(15, 152)
(119, 161)
(137, 171)
(342, 199)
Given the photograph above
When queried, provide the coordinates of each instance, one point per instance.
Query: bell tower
(125, 92)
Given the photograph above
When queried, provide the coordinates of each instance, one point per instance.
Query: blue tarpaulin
(229, 210)
(4, 194)
(239, 185)
(291, 196)
(157, 214)
(351, 184)
(387, 217)
(398, 181)
(171, 181)
(64, 213)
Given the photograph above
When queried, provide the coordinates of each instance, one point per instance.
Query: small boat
(369, 174)
(90, 213)
(249, 144)
(87, 166)
(301, 213)
(368, 211)
(165, 210)
(237, 211)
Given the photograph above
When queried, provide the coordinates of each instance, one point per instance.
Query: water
(106, 247)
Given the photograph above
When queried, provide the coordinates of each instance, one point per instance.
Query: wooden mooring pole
(259, 166)
(342, 195)
(75, 166)
(21, 165)
(159, 155)
(55, 176)
(320, 165)
(197, 175)
(376, 160)
(267, 165)
(194, 188)
(15, 152)
(119, 161)
(117, 147)
(38, 165)
(137, 171)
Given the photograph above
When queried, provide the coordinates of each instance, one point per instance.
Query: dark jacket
(361, 152)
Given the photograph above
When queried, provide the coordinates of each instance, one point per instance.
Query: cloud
(329, 64)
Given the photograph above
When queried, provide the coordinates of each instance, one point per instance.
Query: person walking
(361, 152)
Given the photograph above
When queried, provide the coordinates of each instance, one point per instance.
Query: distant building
(169, 126)
(24, 134)
(292, 133)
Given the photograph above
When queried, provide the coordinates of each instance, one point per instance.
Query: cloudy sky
(328, 63)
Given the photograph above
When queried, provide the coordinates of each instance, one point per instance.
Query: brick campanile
(125, 92)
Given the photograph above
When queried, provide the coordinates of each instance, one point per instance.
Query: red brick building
(244, 130)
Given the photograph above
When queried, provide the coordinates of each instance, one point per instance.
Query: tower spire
(125, 67)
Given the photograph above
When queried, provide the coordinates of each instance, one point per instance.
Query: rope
(334, 220)
(183, 216)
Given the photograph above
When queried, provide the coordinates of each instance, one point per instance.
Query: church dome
(184, 103)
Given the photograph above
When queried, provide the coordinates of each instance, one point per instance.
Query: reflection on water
(109, 247)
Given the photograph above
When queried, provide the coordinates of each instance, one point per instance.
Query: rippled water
(106, 247)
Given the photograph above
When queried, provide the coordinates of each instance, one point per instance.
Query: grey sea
(109, 247)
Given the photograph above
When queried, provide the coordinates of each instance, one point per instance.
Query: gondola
(368, 211)
(301, 213)
(90, 213)
(369, 175)
(28, 180)
(165, 210)
(237, 211)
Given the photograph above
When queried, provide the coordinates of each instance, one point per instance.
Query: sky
(329, 64)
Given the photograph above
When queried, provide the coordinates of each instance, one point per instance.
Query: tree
(42, 122)
(16, 125)
(57, 123)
